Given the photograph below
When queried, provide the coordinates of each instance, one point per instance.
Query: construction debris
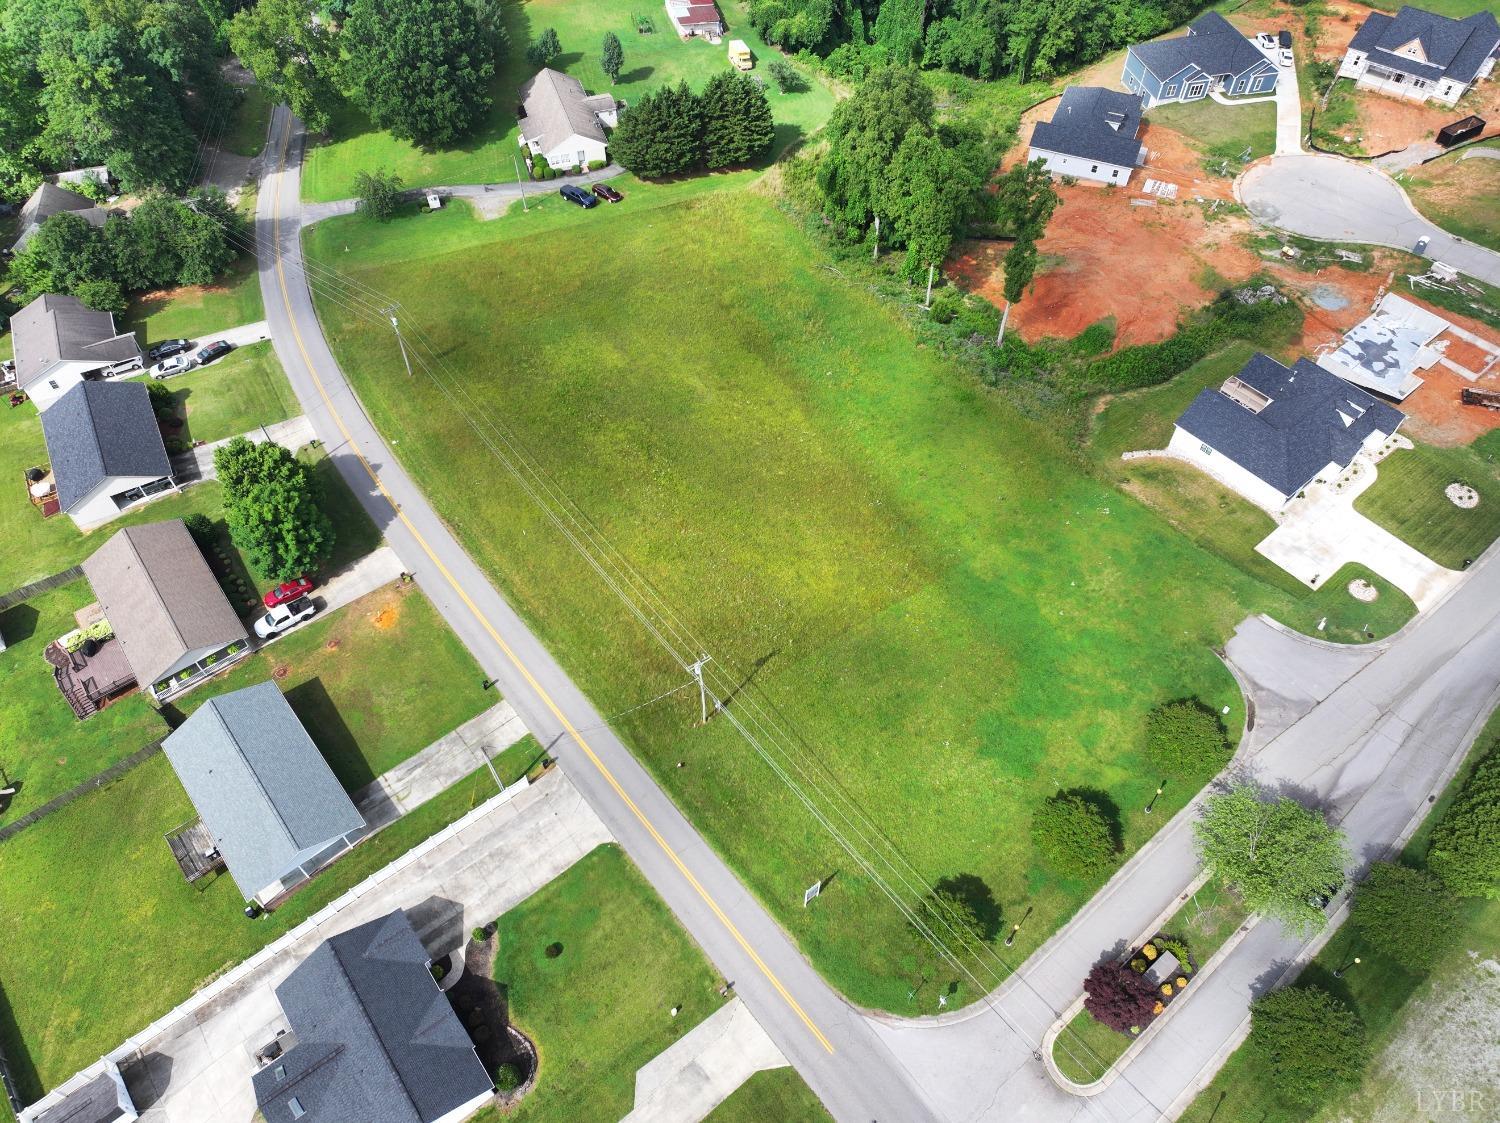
(1259, 295)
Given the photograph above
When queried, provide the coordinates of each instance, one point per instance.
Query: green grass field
(1222, 131)
(1462, 196)
(776, 1094)
(603, 1007)
(488, 156)
(1407, 499)
(198, 311)
(929, 591)
(246, 133)
(114, 938)
(245, 389)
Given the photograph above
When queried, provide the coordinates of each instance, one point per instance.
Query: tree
(379, 193)
(1020, 267)
(64, 255)
(421, 69)
(1397, 907)
(1465, 847)
(612, 57)
(1118, 997)
(545, 48)
(1073, 835)
(1313, 1045)
(864, 132)
(736, 120)
(787, 77)
(1025, 199)
(293, 55)
(163, 401)
(661, 135)
(950, 917)
(271, 509)
(927, 194)
(794, 24)
(1186, 739)
(1283, 858)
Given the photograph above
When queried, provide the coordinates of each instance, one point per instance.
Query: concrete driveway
(1338, 200)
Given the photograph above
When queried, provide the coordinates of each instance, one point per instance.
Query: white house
(1271, 430)
(1092, 135)
(696, 19)
(563, 122)
(106, 451)
(59, 341)
(1422, 56)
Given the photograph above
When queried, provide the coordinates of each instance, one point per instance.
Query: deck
(194, 849)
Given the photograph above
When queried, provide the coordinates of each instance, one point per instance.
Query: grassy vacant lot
(603, 1007)
(105, 936)
(1407, 499)
(775, 1094)
(197, 311)
(246, 134)
(1222, 131)
(1462, 196)
(650, 61)
(1389, 990)
(952, 617)
(44, 749)
(374, 682)
(1221, 521)
(245, 389)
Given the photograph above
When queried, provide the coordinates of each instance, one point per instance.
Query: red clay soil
(1435, 414)
(1388, 123)
(1464, 353)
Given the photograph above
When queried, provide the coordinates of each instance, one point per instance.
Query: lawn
(952, 617)
(246, 134)
(777, 1094)
(1222, 131)
(1462, 196)
(1407, 499)
(650, 61)
(240, 392)
(374, 682)
(197, 311)
(44, 749)
(1339, 119)
(105, 936)
(602, 1008)
(1393, 990)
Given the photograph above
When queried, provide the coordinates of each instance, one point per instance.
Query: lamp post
(1011, 939)
(1339, 974)
(1152, 805)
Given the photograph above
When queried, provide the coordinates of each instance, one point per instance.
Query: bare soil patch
(387, 616)
(1388, 123)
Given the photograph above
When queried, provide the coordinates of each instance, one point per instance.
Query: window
(1095, 168)
(52, 382)
(298, 1111)
(1170, 91)
(1205, 450)
(1115, 174)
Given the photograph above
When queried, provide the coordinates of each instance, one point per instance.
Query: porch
(91, 677)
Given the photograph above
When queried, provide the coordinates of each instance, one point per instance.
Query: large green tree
(420, 69)
(661, 134)
(611, 57)
(1397, 907)
(1313, 1046)
(271, 506)
(1074, 836)
(1281, 857)
(737, 124)
(1465, 847)
(293, 55)
(929, 192)
(65, 255)
(864, 133)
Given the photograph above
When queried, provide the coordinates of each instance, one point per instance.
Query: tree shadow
(972, 890)
(566, 59)
(315, 709)
(17, 1056)
(1102, 802)
(18, 624)
(639, 74)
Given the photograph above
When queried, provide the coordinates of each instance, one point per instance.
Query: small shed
(739, 55)
(1460, 131)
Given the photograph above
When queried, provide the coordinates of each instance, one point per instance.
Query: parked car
(285, 616)
(1420, 249)
(607, 193)
(215, 350)
(574, 194)
(288, 591)
(124, 366)
(177, 364)
(166, 348)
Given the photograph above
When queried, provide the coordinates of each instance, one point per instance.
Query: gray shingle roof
(1454, 48)
(99, 430)
(556, 107)
(55, 327)
(259, 783)
(1314, 419)
(1093, 124)
(98, 1101)
(376, 1039)
(160, 597)
(1212, 44)
(49, 199)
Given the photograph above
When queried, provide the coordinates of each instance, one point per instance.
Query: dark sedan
(607, 193)
(167, 348)
(215, 350)
(577, 195)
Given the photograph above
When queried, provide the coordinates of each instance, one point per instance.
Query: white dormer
(1412, 50)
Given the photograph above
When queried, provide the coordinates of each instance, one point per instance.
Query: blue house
(1212, 55)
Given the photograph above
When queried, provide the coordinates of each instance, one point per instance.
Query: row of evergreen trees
(673, 130)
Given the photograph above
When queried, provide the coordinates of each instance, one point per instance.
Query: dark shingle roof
(1212, 44)
(98, 1101)
(1314, 419)
(49, 199)
(376, 1039)
(1454, 48)
(160, 597)
(99, 430)
(1093, 124)
(259, 784)
(54, 327)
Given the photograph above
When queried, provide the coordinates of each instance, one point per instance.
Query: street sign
(812, 891)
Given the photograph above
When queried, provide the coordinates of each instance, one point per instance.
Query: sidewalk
(197, 464)
(691, 1077)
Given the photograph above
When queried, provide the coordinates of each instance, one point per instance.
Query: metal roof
(376, 1039)
(99, 431)
(55, 327)
(1094, 124)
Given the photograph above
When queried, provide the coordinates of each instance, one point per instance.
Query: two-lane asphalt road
(833, 1048)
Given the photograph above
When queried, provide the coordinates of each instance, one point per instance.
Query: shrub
(1397, 905)
(1179, 949)
(554, 950)
(946, 305)
(162, 402)
(480, 934)
(475, 1018)
(1313, 1045)
(1117, 997)
(480, 1034)
(1186, 739)
(379, 193)
(507, 1077)
(438, 971)
(595, 165)
(1073, 836)
(1465, 848)
(787, 77)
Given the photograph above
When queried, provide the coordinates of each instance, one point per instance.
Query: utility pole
(521, 183)
(1000, 335)
(396, 325)
(696, 670)
(928, 302)
(875, 251)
